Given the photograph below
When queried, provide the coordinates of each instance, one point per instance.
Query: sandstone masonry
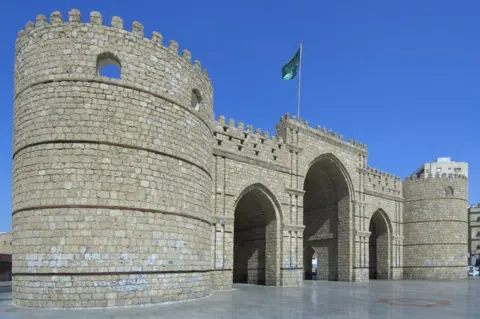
(128, 191)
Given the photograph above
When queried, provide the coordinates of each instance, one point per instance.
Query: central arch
(256, 226)
(326, 216)
(379, 246)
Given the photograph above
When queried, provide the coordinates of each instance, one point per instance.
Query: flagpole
(299, 81)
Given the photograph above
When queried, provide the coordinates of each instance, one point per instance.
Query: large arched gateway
(255, 253)
(327, 217)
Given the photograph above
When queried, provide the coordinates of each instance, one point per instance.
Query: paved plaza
(316, 299)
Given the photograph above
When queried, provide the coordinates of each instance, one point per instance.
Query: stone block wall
(435, 227)
(383, 183)
(112, 178)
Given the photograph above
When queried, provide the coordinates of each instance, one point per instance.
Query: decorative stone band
(222, 220)
(93, 79)
(294, 148)
(116, 145)
(359, 203)
(178, 271)
(298, 228)
(362, 233)
(112, 207)
(296, 192)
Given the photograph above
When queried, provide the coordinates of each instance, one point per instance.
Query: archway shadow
(255, 256)
(379, 246)
(326, 215)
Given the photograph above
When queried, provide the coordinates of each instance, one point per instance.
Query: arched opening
(196, 99)
(255, 239)
(379, 246)
(448, 191)
(310, 259)
(326, 216)
(108, 65)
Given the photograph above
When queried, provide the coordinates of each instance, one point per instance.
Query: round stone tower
(435, 227)
(111, 177)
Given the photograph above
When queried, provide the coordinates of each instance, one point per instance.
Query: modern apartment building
(443, 165)
(474, 229)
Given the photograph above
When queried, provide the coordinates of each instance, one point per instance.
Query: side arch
(384, 216)
(380, 245)
(267, 192)
(257, 236)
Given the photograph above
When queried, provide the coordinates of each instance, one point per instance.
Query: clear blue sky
(399, 76)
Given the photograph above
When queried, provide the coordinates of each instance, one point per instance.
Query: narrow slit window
(196, 99)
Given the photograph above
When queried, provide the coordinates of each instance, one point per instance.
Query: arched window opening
(448, 191)
(108, 65)
(196, 99)
(478, 234)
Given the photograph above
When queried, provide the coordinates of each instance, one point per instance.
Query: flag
(289, 70)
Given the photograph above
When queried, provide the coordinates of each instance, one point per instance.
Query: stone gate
(127, 191)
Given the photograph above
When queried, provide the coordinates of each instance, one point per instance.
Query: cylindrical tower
(111, 177)
(435, 227)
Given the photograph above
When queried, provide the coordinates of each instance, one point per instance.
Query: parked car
(473, 271)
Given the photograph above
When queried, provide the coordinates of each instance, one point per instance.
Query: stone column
(291, 269)
(361, 241)
(362, 257)
(397, 257)
(223, 253)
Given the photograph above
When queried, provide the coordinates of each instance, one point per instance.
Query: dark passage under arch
(255, 239)
(378, 247)
(326, 208)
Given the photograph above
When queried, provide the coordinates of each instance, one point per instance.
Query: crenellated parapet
(444, 176)
(382, 182)
(377, 172)
(58, 49)
(246, 141)
(322, 132)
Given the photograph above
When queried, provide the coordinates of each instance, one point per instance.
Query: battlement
(444, 176)
(249, 142)
(382, 182)
(378, 172)
(55, 50)
(96, 19)
(323, 132)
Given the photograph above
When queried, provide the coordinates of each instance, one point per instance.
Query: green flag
(289, 70)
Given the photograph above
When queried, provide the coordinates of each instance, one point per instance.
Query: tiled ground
(317, 299)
